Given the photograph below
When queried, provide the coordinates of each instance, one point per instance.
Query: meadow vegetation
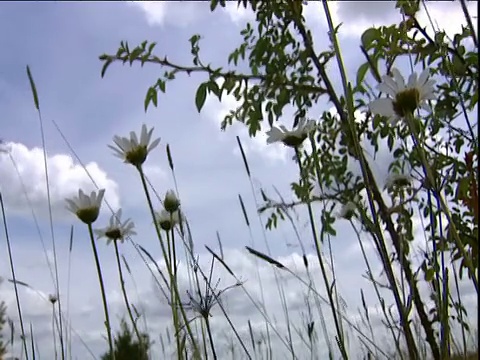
(424, 118)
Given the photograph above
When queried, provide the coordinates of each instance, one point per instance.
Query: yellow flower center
(294, 141)
(136, 156)
(113, 234)
(88, 215)
(401, 182)
(165, 225)
(406, 102)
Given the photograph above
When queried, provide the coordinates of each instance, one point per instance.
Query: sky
(61, 42)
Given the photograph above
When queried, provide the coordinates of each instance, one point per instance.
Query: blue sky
(61, 43)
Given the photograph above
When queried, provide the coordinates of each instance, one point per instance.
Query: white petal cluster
(168, 220)
(404, 98)
(292, 138)
(397, 180)
(347, 210)
(133, 151)
(116, 230)
(85, 207)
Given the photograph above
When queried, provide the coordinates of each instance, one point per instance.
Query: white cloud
(65, 179)
(238, 14)
(358, 16)
(164, 12)
(216, 112)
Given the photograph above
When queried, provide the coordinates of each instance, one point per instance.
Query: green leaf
(369, 36)
(265, 257)
(201, 96)
(105, 66)
(34, 88)
(213, 87)
(362, 71)
(151, 97)
(134, 54)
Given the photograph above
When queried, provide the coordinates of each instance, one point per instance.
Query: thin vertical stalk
(50, 214)
(165, 256)
(54, 332)
(14, 278)
(210, 337)
(125, 297)
(102, 289)
(340, 340)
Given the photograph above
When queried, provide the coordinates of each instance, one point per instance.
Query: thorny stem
(432, 181)
(372, 191)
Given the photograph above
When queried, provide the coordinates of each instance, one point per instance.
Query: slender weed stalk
(12, 269)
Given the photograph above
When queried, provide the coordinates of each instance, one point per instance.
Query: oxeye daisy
(291, 138)
(116, 230)
(171, 202)
(404, 98)
(86, 208)
(132, 151)
(168, 220)
(397, 180)
(347, 211)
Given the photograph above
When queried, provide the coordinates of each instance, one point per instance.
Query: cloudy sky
(61, 43)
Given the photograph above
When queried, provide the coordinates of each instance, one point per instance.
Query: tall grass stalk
(12, 269)
(49, 202)
(168, 265)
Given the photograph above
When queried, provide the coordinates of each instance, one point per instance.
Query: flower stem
(125, 297)
(210, 337)
(431, 180)
(102, 289)
(328, 286)
(12, 268)
(167, 262)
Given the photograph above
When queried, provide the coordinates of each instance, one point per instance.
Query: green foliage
(127, 346)
(286, 70)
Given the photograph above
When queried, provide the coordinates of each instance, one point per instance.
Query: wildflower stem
(125, 297)
(373, 193)
(210, 337)
(173, 298)
(102, 289)
(340, 340)
(167, 262)
(12, 268)
(54, 332)
(432, 181)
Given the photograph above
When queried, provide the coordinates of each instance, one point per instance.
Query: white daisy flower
(116, 230)
(404, 99)
(86, 207)
(167, 220)
(397, 180)
(132, 151)
(170, 202)
(291, 138)
(347, 211)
